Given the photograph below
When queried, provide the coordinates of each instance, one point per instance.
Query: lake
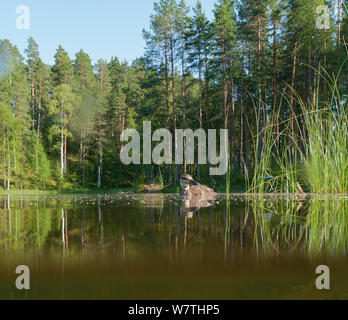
(154, 246)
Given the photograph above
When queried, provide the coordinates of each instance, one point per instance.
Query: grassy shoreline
(77, 191)
(125, 190)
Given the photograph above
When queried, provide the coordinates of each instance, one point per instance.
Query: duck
(194, 191)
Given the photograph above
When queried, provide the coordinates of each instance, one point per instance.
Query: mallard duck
(192, 190)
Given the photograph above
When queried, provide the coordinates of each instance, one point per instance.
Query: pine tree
(64, 80)
(225, 38)
(85, 82)
(15, 96)
(63, 69)
(103, 92)
(32, 53)
(39, 89)
(61, 108)
(253, 23)
(83, 71)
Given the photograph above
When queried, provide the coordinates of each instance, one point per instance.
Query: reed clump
(313, 154)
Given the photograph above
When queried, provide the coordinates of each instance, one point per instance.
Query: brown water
(159, 247)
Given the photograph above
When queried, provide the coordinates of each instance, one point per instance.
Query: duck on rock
(192, 190)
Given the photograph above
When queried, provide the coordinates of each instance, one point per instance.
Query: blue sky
(103, 28)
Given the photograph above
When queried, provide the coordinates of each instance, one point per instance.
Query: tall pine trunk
(61, 155)
(260, 107)
(207, 115)
(4, 160)
(183, 94)
(37, 144)
(339, 5)
(61, 144)
(65, 152)
(233, 148)
(100, 167)
(174, 100)
(166, 81)
(200, 98)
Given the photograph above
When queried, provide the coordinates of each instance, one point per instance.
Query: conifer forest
(264, 70)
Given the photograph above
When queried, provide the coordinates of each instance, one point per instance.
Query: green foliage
(171, 189)
(261, 69)
(316, 159)
(63, 69)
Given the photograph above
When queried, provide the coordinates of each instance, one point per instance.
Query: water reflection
(189, 206)
(157, 231)
(312, 227)
(135, 226)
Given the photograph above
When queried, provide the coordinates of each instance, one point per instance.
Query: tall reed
(314, 157)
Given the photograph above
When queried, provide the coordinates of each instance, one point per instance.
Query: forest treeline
(60, 125)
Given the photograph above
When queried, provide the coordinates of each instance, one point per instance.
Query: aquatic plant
(314, 157)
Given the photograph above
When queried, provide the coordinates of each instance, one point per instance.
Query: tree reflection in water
(119, 231)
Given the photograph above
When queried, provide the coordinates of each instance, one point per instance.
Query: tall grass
(275, 169)
(314, 157)
(326, 153)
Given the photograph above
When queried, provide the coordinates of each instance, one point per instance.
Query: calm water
(159, 247)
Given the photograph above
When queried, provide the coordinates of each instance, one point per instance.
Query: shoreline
(132, 191)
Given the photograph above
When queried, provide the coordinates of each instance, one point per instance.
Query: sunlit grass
(314, 157)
